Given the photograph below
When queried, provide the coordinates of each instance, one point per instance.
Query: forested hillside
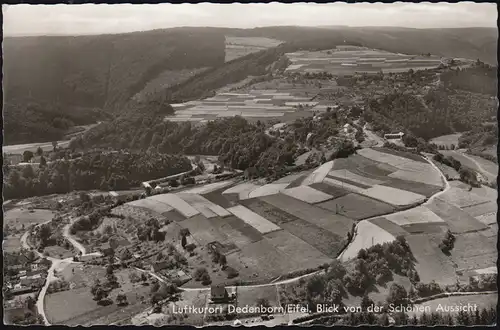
(67, 74)
(64, 77)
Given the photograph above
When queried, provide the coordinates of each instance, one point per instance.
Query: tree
(183, 241)
(27, 156)
(43, 161)
(366, 302)
(448, 242)
(121, 299)
(223, 260)
(39, 151)
(397, 295)
(54, 145)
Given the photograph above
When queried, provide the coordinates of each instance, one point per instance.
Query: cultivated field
(431, 263)
(356, 207)
(253, 219)
(446, 140)
(241, 46)
(307, 194)
(420, 214)
(462, 198)
(22, 217)
(474, 251)
(368, 234)
(457, 220)
(397, 197)
(341, 61)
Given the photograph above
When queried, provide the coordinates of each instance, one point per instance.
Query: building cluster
(26, 277)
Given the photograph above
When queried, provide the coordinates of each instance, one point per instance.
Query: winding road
(57, 265)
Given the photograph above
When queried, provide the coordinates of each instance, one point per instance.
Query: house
(218, 293)
(106, 250)
(157, 266)
(394, 136)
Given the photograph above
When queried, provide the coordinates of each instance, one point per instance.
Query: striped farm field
(319, 174)
(323, 240)
(488, 218)
(348, 182)
(408, 155)
(485, 208)
(428, 176)
(208, 188)
(346, 174)
(412, 186)
(342, 184)
(177, 203)
(420, 214)
(307, 194)
(296, 249)
(431, 263)
(268, 211)
(241, 190)
(458, 220)
(206, 207)
(253, 219)
(334, 223)
(152, 205)
(474, 251)
(483, 191)
(357, 207)
(368, 234)
(364, 166)
(291, 178)
(329, 189)
(462, 198)
(394, 196)
(383, 157)
(268, 189)
(389, 226)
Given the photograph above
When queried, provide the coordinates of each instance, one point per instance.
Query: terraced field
(348, 60)
(303, 221)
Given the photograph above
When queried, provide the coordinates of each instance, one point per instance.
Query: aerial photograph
(298, 164)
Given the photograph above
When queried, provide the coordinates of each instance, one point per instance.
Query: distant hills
(63, 74)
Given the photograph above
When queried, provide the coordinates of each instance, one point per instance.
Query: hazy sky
(98, 19)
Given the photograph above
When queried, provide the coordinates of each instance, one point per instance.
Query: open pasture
(296, 249)
(307, 194)
(431, 263)
(446, 140)
(253, 219)
(489, 169)
(462, 198)
(12, 243)
(151, 204)
(458, 220)
(483, 191)
(356, 207)
(22, 217)
(397, 197)
(260, 260)
(334, 223)
(251, 296)
(368, 234)
(474, 251)
(177, 203)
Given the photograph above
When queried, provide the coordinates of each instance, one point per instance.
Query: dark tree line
(93, 170)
